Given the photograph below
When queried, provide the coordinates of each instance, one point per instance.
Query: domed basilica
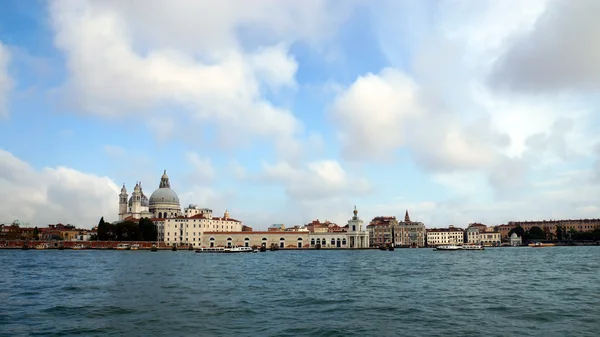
(163, 203)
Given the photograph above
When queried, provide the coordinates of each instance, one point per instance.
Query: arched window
(332, 241)
(212, 242)
(281, 239)
(299, 239)
(323, 242)
(312, 241)
(229, 244)
(247, 242)
(160, 215)
(344, 242)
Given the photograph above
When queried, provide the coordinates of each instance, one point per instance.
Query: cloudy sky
(289, 111)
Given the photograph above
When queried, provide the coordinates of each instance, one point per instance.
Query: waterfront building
(550, 226)
(174, 227)
(444, 236)
(412, 233)
(163, 203)
(189, 230)
(381, 229)
(482, 235)
(515, 240)
(358, 236)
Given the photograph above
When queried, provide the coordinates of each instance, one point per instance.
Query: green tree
(519, 230)
(127, 231)
(536, 233)
(559, 232)
(148, 231)
(36, 233)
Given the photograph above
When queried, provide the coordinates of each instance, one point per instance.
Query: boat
(174, 248)
(153, 248)
(236, 249)
(78, 246)
(233, 249)
(541, 244)
(42, 246)
(448, 247)
(263, 248)
(123, 246)
(255, 250)
(473, 247)
(135, 247)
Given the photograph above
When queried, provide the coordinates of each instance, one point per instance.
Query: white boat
(473, 247)
(448, 247)
(79, 246)
(135, 246)
(42, 246)
(234, 249)
(123, 246)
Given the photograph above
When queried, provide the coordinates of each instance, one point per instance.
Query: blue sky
(285, 112)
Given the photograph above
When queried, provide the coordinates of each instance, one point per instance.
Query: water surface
(524, 291)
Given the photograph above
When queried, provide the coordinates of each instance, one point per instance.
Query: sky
(291, 111)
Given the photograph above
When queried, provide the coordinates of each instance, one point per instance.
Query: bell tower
(122, 202)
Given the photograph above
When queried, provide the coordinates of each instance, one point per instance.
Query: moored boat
(473, 247)
(448, 247)
(135, 246)
(42, 246)
(123, 246)
(153, 248)
(78, 246)
(541, 244)
(234, 249)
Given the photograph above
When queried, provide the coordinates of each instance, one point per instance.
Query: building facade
(550, 226)
(383, 230)
(445, 236)
(412, 233)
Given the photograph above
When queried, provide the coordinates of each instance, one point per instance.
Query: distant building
(356, 237)
(515, 240)
(380, 231)
(276, 228)
(412, 233)
(550, 226)
(481, 234)
(445, 236)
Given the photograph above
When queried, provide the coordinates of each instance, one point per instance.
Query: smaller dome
(123, 189)
(145, 201)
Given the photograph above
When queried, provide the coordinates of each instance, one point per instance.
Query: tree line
(143, 230)
(536, 233)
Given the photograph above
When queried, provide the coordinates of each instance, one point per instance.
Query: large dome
(164, 195)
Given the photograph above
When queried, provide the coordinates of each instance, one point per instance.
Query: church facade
(164, 209)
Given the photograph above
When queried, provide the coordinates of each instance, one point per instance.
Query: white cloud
(115, 151)
(560, 53)
(203, 170)
(212, 61)
(6, 82)
(372, 112)
(54, 195)
(318, 180)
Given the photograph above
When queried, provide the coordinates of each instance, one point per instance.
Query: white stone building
(163, 203)
(174, 226)
(445, 236)
(358, 235)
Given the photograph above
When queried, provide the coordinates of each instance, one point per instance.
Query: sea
(517, 291)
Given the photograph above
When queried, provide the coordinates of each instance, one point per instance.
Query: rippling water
(411, 292)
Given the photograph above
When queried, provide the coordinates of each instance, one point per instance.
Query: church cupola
(406, 217)
(164, 181)
(226, 215)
